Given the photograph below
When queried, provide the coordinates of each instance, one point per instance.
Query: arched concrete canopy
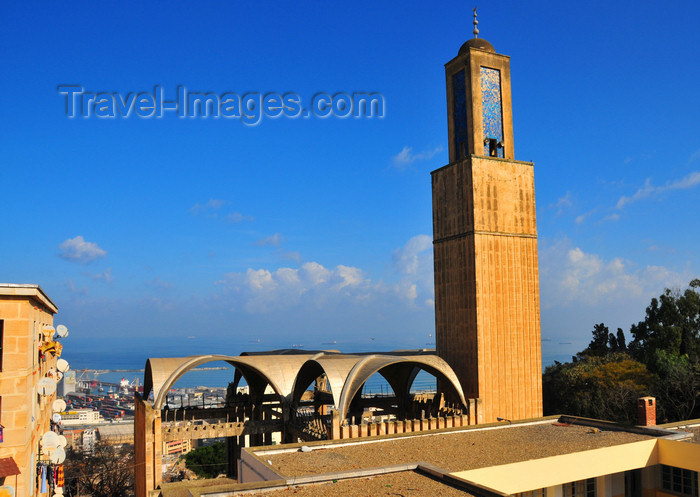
(277, 371)
(336, 368)
(158, 370)
(371, 364)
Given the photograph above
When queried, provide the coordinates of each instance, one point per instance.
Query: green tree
(599, 343)
(677, 386)
(620, 341)
(596, 387)
(663, 359)
(209, 461)
(671, 324)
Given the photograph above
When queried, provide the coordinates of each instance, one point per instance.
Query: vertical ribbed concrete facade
(485, 243)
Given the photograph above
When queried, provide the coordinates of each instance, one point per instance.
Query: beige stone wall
(487, 283)
(24, 414)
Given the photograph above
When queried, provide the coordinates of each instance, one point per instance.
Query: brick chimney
(646, 410)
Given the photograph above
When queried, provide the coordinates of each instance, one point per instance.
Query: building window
(532, 493)
(679, 480)
(583, 488)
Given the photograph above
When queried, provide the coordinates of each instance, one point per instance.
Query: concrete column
(335, 425)
(471, 411)
(148, 448)
(233, 454)
(267, 416)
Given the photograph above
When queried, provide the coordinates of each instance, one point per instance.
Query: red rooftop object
(646, 410)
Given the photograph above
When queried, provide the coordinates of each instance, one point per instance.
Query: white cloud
(407, 259)
(414, 261)
(562, 202)
(214, 209)
(237, 217)
(212, 204)
(579, 289)
(271, 241)
(406, 156)
(159, 284)
(291, 256)
(105, 276)
(570, 275)
(72, 288)
(313, 286)
(78, 250)
(649, 190)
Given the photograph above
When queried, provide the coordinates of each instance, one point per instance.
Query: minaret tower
(487, 306)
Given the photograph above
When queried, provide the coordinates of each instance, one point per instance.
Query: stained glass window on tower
(492, 111)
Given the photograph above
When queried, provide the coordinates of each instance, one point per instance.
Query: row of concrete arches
(290, 372)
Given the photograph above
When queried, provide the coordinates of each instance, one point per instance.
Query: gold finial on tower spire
(476, 23)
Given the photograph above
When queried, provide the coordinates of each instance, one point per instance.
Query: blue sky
(177, 236)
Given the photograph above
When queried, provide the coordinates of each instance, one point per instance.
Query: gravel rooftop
(406, 483)
(695, 430)
(455, 451)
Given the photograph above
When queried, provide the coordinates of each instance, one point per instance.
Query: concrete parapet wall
(364, 430)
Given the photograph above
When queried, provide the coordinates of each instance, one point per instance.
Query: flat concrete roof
(452, 451)
(27, 290)
(416, 464)
(405, 483)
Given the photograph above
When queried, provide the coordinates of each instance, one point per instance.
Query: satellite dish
(56, 418)
(48, 332)
(47, 386)
(58, 456)
(62, 442)
(62, 365)
(49, 441)
(59, 405)
(59, 376)
(61, 331)
(59, 491)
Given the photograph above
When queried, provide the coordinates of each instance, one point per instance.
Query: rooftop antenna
(476, 23)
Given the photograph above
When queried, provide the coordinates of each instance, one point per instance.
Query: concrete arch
(258, 370)
(336, 368)
(402, 368)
